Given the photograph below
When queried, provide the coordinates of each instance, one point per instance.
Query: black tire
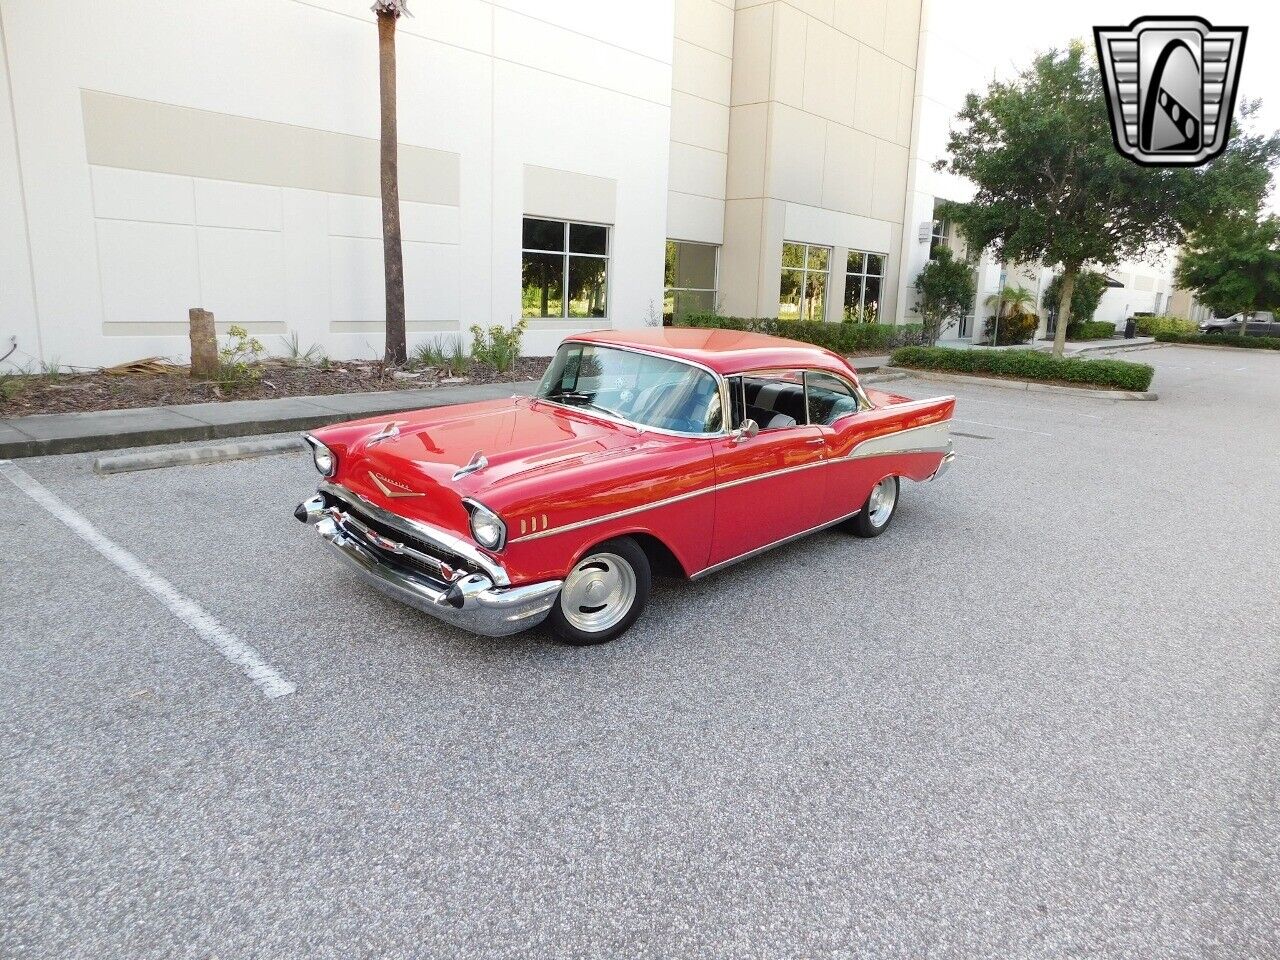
(619, 560)
(863, 525)
(1213, 330)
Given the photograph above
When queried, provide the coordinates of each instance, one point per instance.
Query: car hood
(411, 470)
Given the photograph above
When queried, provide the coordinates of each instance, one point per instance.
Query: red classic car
(674, 450)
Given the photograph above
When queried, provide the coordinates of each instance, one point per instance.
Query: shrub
(1029, 365)
(238, 359)
(497, 346)
(1013, 328)
(1086, 294)
(1221, 340)
(1090, 330)
(1163, 323)
(839, 337)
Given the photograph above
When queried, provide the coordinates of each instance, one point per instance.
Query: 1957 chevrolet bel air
(675, 450)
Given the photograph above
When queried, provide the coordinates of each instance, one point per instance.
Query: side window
(774, 400)
(829, 398)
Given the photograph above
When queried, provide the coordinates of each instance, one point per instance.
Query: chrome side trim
(423, 531)
(853, 454)
(769, 546)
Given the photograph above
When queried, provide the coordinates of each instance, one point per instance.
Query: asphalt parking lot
(1038, 718)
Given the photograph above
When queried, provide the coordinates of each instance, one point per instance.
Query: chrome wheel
(598, 593)
(884, 496)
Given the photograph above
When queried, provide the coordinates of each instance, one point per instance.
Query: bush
(1029, 365)
(497, 346)
(238, 359)
(1090, 330)
(839, 337)
(1221, 340)
(1014, 328)
(1152, 326)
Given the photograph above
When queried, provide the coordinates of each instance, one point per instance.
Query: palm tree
(1012, 300)
(388, 12)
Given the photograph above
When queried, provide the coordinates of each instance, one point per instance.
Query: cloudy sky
(986, 38)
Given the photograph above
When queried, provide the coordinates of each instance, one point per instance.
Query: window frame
(855, 391)
(862, 279)
(566, 254)
(805, 270)
(715, 277)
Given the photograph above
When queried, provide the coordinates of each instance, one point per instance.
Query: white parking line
(271, 683)
(1001, 426)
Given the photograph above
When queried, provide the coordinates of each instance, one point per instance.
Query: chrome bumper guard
(948, 459)
(463, 599)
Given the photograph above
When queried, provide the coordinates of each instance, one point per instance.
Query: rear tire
(603, 595)
(879, 510)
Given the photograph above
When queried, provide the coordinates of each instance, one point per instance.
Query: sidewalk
(53, 433)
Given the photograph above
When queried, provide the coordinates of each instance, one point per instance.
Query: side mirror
(747, 431)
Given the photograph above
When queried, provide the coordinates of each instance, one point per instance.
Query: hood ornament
(477, 462)
(390, 432)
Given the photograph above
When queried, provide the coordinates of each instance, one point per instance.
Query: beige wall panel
(848, 177)
(888, 193)
(823, 10)
(138, 195)
(165, 138)
(798, 147)
(876, 98)
(740, 256)
(863, 19)
(150, 272)
(752, 49)
(565, 195)
(748, 133)
(906, 105)
(707, 23)
(830, 72)
(695, 218)
(697, 171)
(249, 206)
(790, 28)
(902, 31)
(700, 72)
(699, 122)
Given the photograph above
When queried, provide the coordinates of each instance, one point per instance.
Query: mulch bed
(21, 395)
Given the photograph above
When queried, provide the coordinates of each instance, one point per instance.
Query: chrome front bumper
(469, 601)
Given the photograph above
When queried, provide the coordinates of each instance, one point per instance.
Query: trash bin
(1130, 328)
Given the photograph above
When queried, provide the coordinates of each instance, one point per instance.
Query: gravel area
(1038, 718)
(82, 392)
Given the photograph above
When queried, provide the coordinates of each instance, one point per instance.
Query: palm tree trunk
(1064, 309)
(392, 250)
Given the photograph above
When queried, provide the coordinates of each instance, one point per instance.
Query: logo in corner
(1171, 87)
(392, 488)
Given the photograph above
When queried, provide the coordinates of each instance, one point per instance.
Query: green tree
(388, 12)
(1011, 299)
(1051, 186)
(946, 289)
(1085, 297)
(1234, 267)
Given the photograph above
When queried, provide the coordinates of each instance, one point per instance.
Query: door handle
(816, 441)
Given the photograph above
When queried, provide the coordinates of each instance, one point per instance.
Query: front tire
(879, 510)
(603, 595)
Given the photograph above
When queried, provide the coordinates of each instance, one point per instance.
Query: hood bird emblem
(392, 488)
(478, 461)
(390, 432)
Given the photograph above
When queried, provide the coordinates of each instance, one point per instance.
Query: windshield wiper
(583, 399)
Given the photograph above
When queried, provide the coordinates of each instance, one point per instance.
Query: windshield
(645, 390)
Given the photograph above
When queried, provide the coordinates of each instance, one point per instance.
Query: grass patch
(1221, 340)
(1029, 365)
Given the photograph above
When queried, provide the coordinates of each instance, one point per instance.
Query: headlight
(488, 529)
(324, 459)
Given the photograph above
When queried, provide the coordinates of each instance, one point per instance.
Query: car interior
(776, 401)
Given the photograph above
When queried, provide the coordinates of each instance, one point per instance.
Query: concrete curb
(1226, 349)
(58, 433)
(1030, 386)
(186, 456)
(888, 377)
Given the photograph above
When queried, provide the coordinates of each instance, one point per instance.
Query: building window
(564, 269)
(864, 276)
(938, 237)
(803, 292)
(690, 280)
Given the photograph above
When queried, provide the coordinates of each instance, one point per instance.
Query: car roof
(724, 351)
